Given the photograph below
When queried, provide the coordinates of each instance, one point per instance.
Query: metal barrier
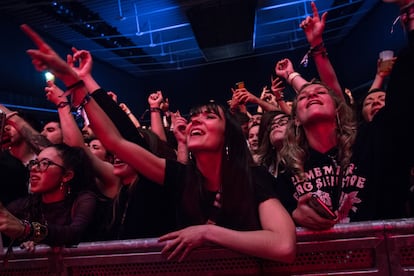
(368, 248)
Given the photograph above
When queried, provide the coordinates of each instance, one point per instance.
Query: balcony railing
(366, 248)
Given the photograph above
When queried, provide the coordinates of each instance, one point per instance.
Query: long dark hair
(76, 159)
(238, 206)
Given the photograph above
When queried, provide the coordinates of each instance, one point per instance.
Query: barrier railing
(368, 248)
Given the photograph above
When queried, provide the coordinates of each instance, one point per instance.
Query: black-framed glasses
(42, 165)
(279, 123)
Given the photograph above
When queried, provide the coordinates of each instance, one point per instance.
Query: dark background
(354, 59)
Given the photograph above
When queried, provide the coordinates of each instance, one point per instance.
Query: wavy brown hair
(295, 150)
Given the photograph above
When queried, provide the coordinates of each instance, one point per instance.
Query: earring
(61, 186)
(190, 156)
(227, 152)
(68, 190)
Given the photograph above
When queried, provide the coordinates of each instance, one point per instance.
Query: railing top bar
(348, 230)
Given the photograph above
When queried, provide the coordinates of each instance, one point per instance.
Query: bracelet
(40, 232)
(155, 109)
(28, 230)
(291, 77)
(62, 104)
(128, 113)
(76, 84)
(316, 50)
(85, 100)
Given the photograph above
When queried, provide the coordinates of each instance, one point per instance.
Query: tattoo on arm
(36, 141)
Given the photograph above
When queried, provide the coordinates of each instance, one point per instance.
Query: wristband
(155, 109)
(28, 230)
(85, 100)
(76, 84)
(291, 77)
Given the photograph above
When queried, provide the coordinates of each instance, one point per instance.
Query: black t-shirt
(177, 182)
(348, 191)
(144, 210)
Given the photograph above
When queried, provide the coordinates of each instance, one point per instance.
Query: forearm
(71, 133)
(182, 153)
(90, 83)
(327, 72)
(284, 107)
(36, 141)
(156, 123)
(266, 106)
(135, 155)
(378, 82)
(259, 243)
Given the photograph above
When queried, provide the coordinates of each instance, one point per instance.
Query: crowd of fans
(224, 175)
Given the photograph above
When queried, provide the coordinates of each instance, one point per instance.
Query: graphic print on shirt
(322, 180)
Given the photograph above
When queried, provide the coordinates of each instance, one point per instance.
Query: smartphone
(239, 85)
(317, 204)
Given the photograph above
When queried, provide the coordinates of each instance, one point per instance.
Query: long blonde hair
(295, 150)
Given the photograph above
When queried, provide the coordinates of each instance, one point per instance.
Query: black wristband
(155, 109)
(78, 83)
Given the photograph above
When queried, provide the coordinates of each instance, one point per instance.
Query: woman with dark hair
(60, 209)
(273, 129)
(220, 198)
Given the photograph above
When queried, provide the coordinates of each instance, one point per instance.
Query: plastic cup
(386, 57)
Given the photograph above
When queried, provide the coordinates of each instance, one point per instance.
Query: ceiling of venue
(145, 36)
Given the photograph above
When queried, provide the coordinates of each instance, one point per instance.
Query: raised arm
(36, 141)
(381, 74)
(139, 158)
(284, 69)
(72, 136)
(154, 100)
(313, 28)
(242, 95)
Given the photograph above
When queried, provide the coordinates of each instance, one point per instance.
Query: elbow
(290, 254)
(286, 252)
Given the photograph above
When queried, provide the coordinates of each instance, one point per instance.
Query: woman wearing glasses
(273, 129)
(59, 211)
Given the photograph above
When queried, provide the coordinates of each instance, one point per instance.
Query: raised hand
(283, 68)
(314, 26)
(54, 94)
(155, 99)
(45, 58)
(179, 127)
(84, 60)
(277, 88)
